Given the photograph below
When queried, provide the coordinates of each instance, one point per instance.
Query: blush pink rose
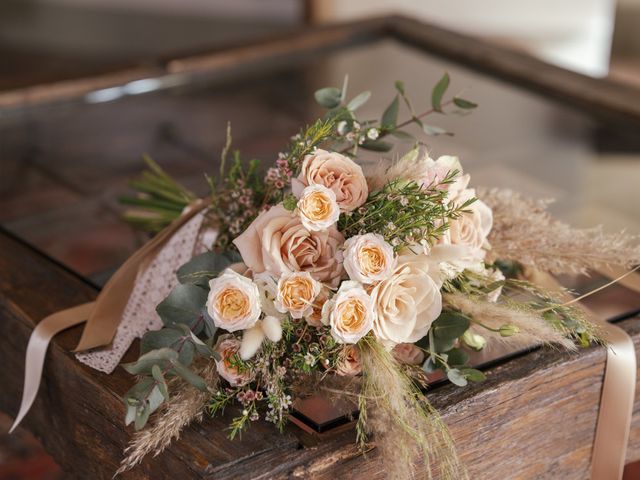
(277, 242)
(228, 348)
(338, 173)
(408, 353)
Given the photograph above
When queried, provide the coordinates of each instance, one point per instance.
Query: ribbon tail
(37, 350)
(110, 304)
(618, 385)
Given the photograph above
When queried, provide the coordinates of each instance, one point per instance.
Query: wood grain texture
(533, 418)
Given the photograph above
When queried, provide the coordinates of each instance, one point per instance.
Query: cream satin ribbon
(102, 316)
(618, 387)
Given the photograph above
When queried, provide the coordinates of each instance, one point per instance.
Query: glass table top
(63, 167)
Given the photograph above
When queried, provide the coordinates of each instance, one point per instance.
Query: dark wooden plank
(533, 418)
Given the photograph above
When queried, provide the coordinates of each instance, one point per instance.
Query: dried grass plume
(525, 232)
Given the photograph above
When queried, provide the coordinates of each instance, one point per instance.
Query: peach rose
(368, 258)
(350, 313)
(348, 363)
(407, 302)
(233, 302)
(408, 353)
(296, 292)
(336, 172)
(278, 243)
(318, 208)
(228, 347)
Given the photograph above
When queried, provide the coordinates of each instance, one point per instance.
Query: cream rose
(408, 302)
(336, 172)
(368, 258)
(350, 313)
(408, 353)
(228, 348)
(296, 293)
(348, 363)
(471, 229)
(233, 302)
(318, 208)
(278, 243)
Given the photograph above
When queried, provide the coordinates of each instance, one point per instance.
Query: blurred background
(63, 165)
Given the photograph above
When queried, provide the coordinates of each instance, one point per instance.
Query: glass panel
(63, 167)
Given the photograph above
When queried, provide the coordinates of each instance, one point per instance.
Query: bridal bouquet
(349, 274)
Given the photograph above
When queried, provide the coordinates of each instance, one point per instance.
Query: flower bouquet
(338, 273)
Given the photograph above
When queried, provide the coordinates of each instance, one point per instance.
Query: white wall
(575, 34)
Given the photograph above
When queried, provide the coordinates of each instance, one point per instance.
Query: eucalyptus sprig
(353, 133)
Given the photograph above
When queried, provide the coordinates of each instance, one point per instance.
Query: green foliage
(202, 268)
(158, 201)
(438, 92)
(389, 118)
(464, 104)
(405, 213)
(183, 305)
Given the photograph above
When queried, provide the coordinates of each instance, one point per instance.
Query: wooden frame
(534, 417)
(606, 98)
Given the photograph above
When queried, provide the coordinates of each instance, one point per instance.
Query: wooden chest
(534, 417)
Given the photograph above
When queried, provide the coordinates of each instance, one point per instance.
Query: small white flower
(268, 287)
(317, 208)
(373, 133)
(342, 127)
(233, 302)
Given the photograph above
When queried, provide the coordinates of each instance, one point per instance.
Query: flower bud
(507, 330)
(473, 340)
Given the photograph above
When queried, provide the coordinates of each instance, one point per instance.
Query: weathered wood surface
(533, 418)
(606, 98)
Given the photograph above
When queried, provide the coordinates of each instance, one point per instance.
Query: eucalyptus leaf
(377, 145)
(438, 92)
(161, 382)
(210, 328)
(132, 410)
(390, 116)
(457, 357)
(202, 268)
(434, 130)
(456, 377)
(146, 362)
(142, 415)
(183, 305)
(359, 100)
(464, 104)
(450, 325)
(429, 366)
(189, 376)
(443, 344)
(328, 97)
(473, 375)
(155, 399)
(155, 339)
